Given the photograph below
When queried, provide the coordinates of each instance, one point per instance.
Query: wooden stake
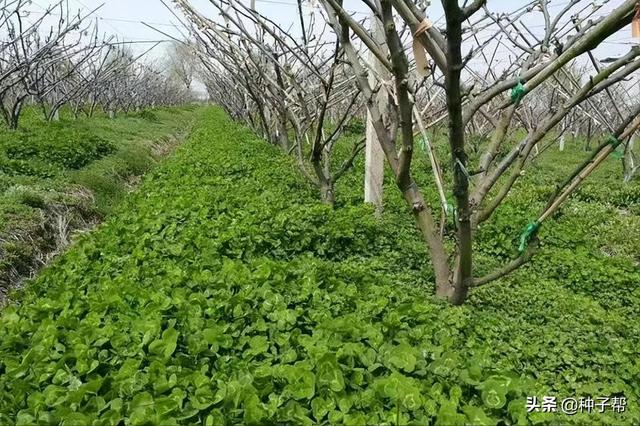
(374, 155)
(635, 23)
(419, 53)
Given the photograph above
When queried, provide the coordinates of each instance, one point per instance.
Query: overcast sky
(124, 18)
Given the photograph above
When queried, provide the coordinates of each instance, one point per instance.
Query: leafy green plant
(354, 127)
(59, 177)
(222, 292)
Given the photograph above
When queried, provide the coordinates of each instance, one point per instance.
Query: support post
(374, 155)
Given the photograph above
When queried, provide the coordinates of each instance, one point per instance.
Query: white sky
(124, 17)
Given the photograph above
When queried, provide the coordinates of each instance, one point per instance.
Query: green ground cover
(62, 176)
(223, 292)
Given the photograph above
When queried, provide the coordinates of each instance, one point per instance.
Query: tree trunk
(629, 167)
(283, 136)
(462, 276)
(327, 193)
(323, 181)
(15, 113)
(587, 146)
(431, 237)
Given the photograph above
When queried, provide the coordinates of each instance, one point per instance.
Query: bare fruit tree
(480, 89)
(505, 90)
(298, 94)
(59, 58)
(182, 63)
(28, 50)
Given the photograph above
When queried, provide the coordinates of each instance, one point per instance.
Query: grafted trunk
(327, 193)
(427, 227)
(323, 182)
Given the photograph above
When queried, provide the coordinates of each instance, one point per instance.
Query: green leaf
(258, 345)
(166, 405)
(448, 415)
(215, 418)
(165, 346)
(254, 410)
(24, 418)
(55, 395)
(141, 409)
(335, 417)
(477, 416)
(329, 373)
(402, 356)
(355, 419)
(203, 398)
(321, 407)
(290, 355)
(75, 419)
(493, 397)
(455, 393)
(301, 383)
(401, 390)
(345, 403)
(495, 389)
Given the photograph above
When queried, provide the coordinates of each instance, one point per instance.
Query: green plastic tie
(452, 212)
(450, 208)
(423, 144)
(614, 141)
(518, 92)
(529, 232)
